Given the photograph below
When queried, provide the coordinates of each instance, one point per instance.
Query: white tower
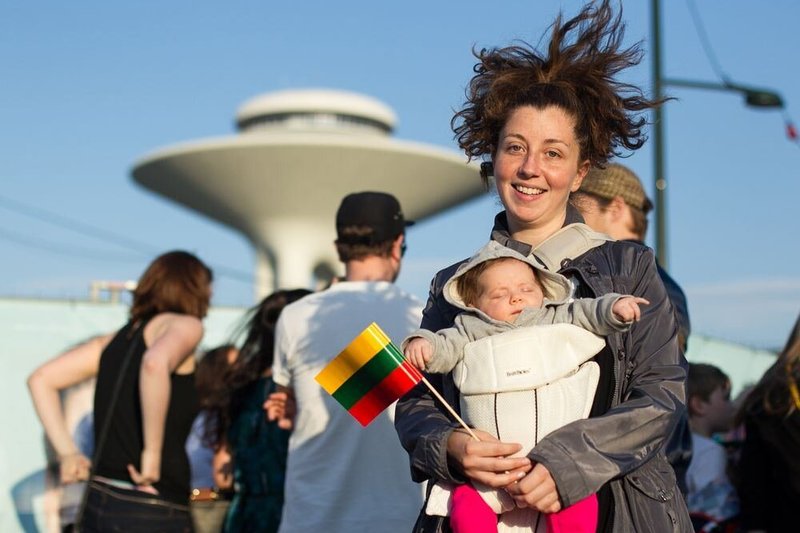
(281, 178)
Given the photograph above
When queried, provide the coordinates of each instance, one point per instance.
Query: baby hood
(557, 288)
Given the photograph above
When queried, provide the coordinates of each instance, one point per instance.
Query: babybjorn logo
(518, 372)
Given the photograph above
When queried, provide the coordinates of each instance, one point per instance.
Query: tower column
(299, 247)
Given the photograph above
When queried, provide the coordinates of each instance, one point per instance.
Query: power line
(790, 129)
(84, 229)
(56, 248)
(704, 41)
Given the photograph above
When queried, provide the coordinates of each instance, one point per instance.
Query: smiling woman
(543, 120)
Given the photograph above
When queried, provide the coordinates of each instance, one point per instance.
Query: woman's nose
(529, 167)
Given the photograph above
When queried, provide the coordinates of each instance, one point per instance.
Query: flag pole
(449, 408)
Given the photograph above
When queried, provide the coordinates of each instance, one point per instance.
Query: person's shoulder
(302, 306)
(705, 448)
(626, 247)
(176, 322)
(402, 294)
(622, 256)
(185, 328)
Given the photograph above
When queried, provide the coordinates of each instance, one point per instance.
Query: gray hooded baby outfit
(520, 381)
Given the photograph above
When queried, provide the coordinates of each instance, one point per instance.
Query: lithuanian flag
(369, 375)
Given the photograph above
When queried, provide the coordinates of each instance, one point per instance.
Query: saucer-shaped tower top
(296, 155)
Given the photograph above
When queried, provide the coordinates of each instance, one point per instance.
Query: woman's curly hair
(577, 75)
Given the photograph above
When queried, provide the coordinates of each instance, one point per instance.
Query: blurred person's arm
(281, 407)
(44, 384)
(172, 339)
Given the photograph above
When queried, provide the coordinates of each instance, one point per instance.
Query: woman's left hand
(151, 471)
(74, 467)
(537, 490)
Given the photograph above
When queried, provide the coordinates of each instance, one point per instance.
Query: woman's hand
(487, 461)
(151, 471)
(74, 467)
(536, 490)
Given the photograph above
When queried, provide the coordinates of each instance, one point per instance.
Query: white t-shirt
(340, 476)
(709, 490)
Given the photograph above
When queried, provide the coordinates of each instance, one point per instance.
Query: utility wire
(82, 228)
(57, 248)
(705, 42)
(790, 129)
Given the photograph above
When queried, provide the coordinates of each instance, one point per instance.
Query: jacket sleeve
(592, 314)
(421, 423)
(448, 346)
(584, 455)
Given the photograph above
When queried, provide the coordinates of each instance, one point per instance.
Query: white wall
(32, 331)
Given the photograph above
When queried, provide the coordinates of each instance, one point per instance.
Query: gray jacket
(593, 314)
(621, 445)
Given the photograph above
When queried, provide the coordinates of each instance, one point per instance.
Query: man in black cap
(341, 477)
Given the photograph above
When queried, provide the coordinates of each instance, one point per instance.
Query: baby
(509, 310)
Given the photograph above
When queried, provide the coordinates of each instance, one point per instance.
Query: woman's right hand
(487, 461)
(150, 473)
(74, 467)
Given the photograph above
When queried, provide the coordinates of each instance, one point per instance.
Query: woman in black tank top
(144, 403)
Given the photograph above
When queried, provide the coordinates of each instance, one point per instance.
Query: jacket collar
(571, 241)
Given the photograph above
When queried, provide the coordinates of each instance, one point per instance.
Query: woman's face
(536, 166)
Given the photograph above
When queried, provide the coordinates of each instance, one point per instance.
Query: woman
(208, 504)
(544, 121)
(144, 403)
(769, 468)
(257, 448)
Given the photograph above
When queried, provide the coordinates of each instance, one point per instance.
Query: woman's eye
(552, 154)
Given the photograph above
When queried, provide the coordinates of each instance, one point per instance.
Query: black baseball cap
(377, 211)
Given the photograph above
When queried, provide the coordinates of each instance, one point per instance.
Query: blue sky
(90, 87)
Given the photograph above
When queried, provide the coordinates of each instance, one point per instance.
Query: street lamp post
(754, 97)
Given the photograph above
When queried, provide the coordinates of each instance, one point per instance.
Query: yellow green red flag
(368, 375)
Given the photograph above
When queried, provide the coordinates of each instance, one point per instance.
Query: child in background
(711, 496)
(499, 292)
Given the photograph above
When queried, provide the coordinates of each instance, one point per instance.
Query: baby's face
(506, 288)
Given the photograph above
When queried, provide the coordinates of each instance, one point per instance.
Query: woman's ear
(583, 169)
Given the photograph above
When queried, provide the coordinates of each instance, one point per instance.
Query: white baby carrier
(519, 386)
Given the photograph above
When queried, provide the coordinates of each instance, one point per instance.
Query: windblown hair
(577, 75)
(255, 357)
(211, 373)
(776, 393)
(175, 282)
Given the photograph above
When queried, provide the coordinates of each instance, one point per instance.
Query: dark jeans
(111, 508)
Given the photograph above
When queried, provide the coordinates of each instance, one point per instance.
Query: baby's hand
(626, 308)
(418, 351)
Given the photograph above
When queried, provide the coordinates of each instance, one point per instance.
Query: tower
(279, 180)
